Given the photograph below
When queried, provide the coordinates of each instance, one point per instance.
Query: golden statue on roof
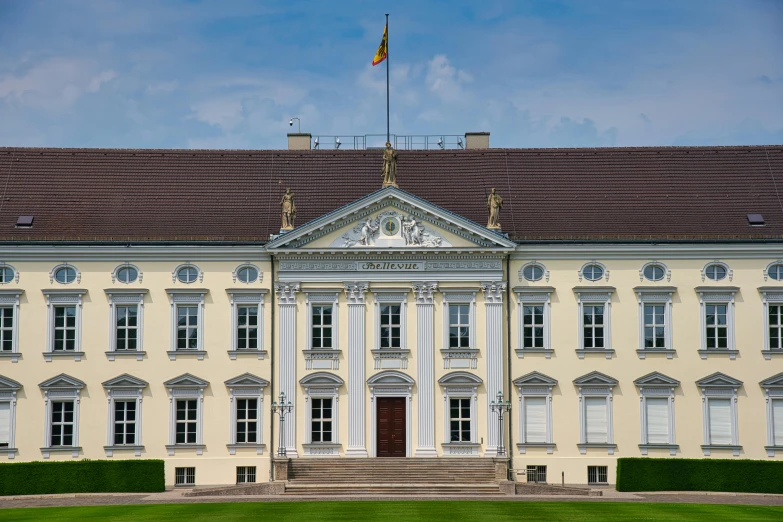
(389, 172)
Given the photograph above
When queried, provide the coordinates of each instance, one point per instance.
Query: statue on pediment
(494, 204)
(389, 172)
(288, 210)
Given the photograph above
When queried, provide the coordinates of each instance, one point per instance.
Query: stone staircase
(392, 476)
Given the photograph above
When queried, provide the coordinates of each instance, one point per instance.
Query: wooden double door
(391, 426)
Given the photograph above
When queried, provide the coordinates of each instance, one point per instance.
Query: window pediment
(776, 381)
(535, 379)
(186, 380)
(321, 379)
(390, 378)
(62, 381)
(595, 379)
(460, 379)
(718, 380)
(125, 381)
(656, 379)
(8, 384)
(247, 379)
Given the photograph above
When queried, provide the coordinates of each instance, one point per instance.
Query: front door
(391, 427)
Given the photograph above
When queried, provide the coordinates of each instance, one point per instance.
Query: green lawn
(393, 511)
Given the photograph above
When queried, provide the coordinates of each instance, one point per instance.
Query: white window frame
(62, 297)
(239, 298)
(656, 385)
(322, 358)
(766, 270)
(8, 391)
(391, 358)
(77, 279)
(604, 276)
(14, 270)
(592, 296)
(322, 385)
(770, 295)
(246, 386)
(10, 299)
(62, 388)
(719, 386)
(116, 271)
(235, 274)
(460, 385)
(544, 276)
(187, 297)
(534, 296)
(729, 272)
(199, 276)
(595, 384)
(773, 392)
(459, 358)
(185, 387)
(126, 298)
(656, 296)
(129, 389)
(717, 295)
(537, 385)
(667, 274)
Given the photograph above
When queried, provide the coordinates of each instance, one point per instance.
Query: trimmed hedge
(741, 476)
(82, 476)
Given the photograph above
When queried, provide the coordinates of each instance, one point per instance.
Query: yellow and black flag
(380, 54)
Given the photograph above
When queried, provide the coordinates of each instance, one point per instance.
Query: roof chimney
(297, 141)
(476, 140)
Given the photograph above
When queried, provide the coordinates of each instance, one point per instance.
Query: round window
(6, 274)
(127, 274)
(776, 272)
(247, 274)
(715, 272)
(654, 272)
(533, 272)
(593, 272)
(65, 275)
(187, 274)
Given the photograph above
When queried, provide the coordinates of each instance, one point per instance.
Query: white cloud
(100, 79)
(445, 80)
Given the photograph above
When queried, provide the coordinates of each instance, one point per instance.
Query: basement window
(597, 475)
(184, 476)
(24, 221)
(756, 220)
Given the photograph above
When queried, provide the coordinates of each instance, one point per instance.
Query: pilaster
(286, 298)
(355, 292)
(493, 304)
(425, 359)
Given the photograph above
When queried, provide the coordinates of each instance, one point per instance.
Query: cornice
(135, 253)
(684, 250)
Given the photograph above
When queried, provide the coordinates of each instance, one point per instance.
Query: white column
(356, 385)
(286, 298)
(425, 361)
(493, 303)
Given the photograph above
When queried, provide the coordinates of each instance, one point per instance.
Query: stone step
(392, 489)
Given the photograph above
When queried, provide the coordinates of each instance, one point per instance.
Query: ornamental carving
(286, 292)
(389, 171)
(494, 204)
(493, 291)
(390, 229)
(288, 210)
(424, 292)
(356, 292)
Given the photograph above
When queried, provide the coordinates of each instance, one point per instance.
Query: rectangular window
(654, 326)
(459, 420)
(720, 421)
(184, 476)
(124, 422)
(5, 424)
(321, 420)
(247, 328)
(127, 328)
(533, 326)
(596, 420)
(322, 327)
(187, 420)
(247, 421)
(64, 328)
(593, 321)
(535, 419)
(459, 326)
(6, 329)
(62, 423)
(597, 475)
(187, 328)
(536, 474)
(390, 326)
(657, 420)
(246, 474)
(775, 327)
(777, 422)
(717, 327)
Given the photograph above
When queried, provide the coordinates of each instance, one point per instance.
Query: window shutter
(777, 421)
(595, 417)
(5, 422)
(720, 421)
(657, 421)
(535, 419)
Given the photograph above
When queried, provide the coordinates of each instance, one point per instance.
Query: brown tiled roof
(549, 194)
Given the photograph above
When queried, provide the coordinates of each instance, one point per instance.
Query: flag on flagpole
(380, 54)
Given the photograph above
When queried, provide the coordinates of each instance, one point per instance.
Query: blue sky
(230, 74)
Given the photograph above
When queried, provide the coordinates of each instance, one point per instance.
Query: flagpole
(387, 78)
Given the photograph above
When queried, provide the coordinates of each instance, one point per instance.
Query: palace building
(617, 302)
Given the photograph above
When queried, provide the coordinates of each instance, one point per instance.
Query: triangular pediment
(321, 379)
(776, 381)
(719, 379)
(125, 381)
(186, 380)
(247, 379)
(9, 384)
(535, 379)
(596, 379)
(460, 378)
(656, 379)
(62, 381)
(390, 218)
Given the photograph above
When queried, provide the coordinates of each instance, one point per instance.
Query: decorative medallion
(390, 226)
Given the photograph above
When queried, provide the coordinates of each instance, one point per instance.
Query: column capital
(424, 291)
(493, 291)
(356, 291)
(286, 292)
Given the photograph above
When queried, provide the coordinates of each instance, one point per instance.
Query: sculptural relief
(390, 229)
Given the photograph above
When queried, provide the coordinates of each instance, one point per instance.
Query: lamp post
(282, 409)
(500, 407)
